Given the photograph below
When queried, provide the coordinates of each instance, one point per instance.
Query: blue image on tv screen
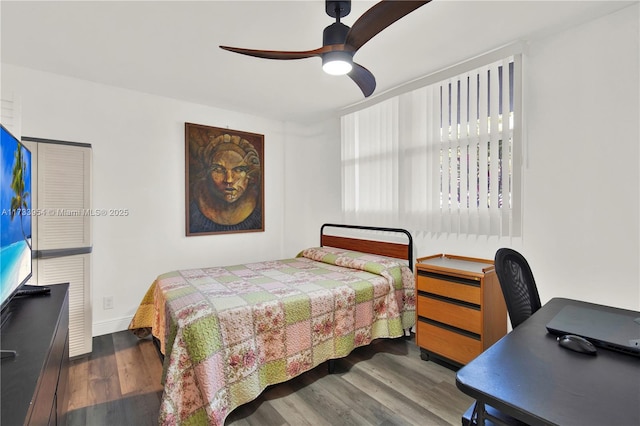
(15, 215)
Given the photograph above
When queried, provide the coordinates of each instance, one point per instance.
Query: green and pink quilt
(229, 332)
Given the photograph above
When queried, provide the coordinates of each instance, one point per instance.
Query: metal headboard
(397, 250)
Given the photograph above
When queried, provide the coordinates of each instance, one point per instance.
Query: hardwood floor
(385, 383)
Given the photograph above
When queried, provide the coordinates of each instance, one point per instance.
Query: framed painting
(224, 177)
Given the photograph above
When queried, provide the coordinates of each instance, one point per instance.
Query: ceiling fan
(340, 43)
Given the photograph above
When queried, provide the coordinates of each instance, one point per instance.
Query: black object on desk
(606, 329)
(528, 376)
(577, 343)
(33, 290)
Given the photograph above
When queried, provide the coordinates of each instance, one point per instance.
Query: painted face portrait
(230, 175)
(228, 190)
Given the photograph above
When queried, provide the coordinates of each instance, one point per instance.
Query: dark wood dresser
(34, 382)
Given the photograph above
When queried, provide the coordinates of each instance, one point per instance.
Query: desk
(527, 375)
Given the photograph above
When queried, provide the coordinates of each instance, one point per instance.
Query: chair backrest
(518, 286)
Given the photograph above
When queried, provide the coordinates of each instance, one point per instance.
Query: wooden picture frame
(224, 180)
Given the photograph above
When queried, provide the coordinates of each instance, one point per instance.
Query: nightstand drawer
(453, 314)
(455, 290)
(455, 346)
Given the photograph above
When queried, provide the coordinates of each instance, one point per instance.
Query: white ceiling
(170, 48)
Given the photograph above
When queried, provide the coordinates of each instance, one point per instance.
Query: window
(444, 158)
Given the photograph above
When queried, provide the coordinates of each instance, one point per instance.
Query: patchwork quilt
(229, 332)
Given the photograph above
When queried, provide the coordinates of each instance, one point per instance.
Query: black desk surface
(528, 375)
(29, 330)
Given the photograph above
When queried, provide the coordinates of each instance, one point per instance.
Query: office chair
(518, 286)
(522, 299)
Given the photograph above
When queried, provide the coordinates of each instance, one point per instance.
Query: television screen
(15, 215)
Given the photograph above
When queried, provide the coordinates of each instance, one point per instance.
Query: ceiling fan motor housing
(335, 33)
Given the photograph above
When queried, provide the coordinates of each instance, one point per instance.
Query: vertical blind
(444, 158)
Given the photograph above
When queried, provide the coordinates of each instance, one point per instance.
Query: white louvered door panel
(11, 114)
(62, 229)
(64, 196)
(76, 271)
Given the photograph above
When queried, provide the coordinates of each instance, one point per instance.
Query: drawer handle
(445, 299)
(450, 328)
(457, 280)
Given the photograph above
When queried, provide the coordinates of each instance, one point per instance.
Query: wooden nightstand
(461, 309)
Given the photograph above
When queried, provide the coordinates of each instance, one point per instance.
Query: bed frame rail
(382, 248)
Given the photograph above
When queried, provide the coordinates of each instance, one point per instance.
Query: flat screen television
(15, 216)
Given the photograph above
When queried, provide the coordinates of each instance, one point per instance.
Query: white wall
(581, 231)
(312, 187)
(138, 164)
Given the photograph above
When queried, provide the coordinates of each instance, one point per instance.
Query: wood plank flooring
(385, 383)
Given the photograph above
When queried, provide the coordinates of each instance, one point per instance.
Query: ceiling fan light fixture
(337, 62)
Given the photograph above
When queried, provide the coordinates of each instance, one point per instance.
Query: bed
(228, 332)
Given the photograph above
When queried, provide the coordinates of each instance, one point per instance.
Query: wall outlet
(107, 302)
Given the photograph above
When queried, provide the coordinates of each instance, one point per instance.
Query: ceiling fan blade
(364, 79)
(379, 17)
(275, 54)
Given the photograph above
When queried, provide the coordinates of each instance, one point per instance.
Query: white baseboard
(111, 326)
